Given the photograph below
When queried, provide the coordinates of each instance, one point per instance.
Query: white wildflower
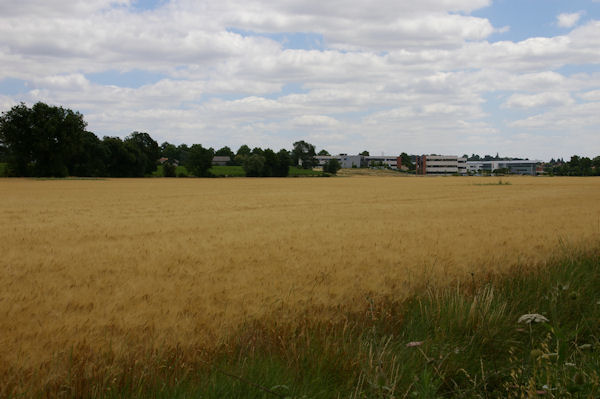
(533, 318)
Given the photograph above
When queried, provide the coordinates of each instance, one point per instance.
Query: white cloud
(568, 20)
(568, 119)
(547, 99)
(315, 121)
(593, 95)
(55, 8)
(393, 76)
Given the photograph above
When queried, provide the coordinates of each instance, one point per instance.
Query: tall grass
(462, 341)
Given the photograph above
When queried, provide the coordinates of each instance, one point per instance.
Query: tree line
(475, 157)
(51, 141)
(576, 166)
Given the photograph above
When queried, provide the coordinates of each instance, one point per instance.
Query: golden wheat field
(129, 265)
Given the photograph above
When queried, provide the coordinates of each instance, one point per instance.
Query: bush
(332, 166)
(169, 170)
(254, 165)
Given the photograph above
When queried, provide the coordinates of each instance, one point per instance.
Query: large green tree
(283, 163)
(577, 166)
(3, 153)
(254, 165)
(244, 150)
(200, 160)
(225, 152)
(42, 140)
(596, 164)
(304, 154)
(183, 152)
(242, 153)
(91, 157)
(405, 159)
(169, 151)
(122, 160)
(148, 151)
(270, 166)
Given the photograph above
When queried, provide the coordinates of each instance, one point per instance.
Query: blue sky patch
(569, 70)
(11, 86)
(534, 18)
(146, 5)
(289, 88)
(289, 40)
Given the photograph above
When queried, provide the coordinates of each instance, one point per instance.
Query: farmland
(122, 269)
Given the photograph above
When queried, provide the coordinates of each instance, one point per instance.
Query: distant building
(359, 161)
(164, 160)
(441, 165)
(221, 160)
(519, 167)
(323, 159)
(383, 160)
(350, 161)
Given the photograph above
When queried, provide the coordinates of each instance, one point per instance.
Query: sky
(516, 77)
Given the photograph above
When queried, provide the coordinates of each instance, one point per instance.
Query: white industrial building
(380, 160)
(360, 161)
(441, 165)
(434, 164)
(519, 167)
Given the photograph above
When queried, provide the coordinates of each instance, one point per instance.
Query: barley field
(117, 269)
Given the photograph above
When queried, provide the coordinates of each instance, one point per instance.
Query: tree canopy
(43, 140)
(406, 161)
(147, 151)
(200, 160)
(267, 163)
(303, 155)
(225, 152)
(576, 166)
(49, 141)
